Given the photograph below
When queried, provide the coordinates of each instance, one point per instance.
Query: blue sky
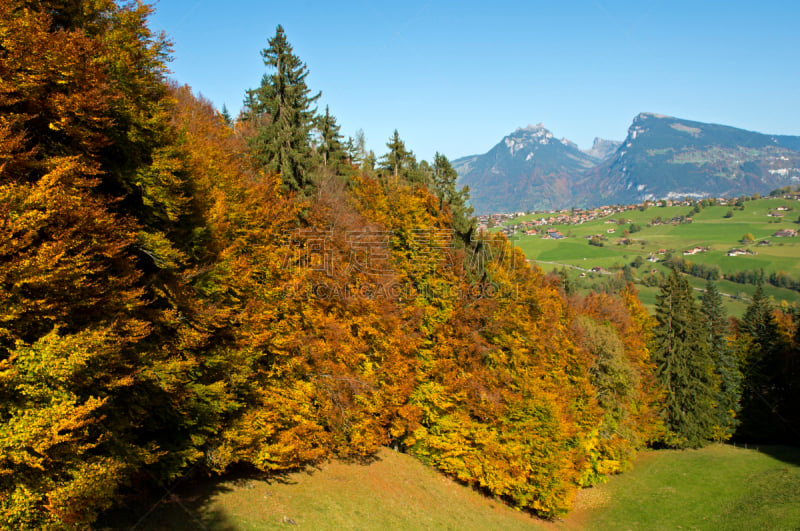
(457, 76)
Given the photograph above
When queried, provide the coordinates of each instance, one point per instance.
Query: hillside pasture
(719, 487)
(709, 229)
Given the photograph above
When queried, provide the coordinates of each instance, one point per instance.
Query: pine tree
(444, 179)
(762, 350)
(683, 365)
(281, 142)
(330, 148)
(566, 283)
(226, 116)
(444, 187)
(725, 363)
(398, 158)
(757, 321)
(350, 152)
(792, 376)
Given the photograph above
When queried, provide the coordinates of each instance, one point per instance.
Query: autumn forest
(183, 292)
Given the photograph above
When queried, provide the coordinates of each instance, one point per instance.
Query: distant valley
(661, 157)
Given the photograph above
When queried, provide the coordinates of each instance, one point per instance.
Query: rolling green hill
(710, 228)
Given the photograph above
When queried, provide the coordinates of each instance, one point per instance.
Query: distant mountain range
(602, 148)
(662, 157)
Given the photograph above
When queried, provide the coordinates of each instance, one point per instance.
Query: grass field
(709, 228)
(719, 487)
(395, 491)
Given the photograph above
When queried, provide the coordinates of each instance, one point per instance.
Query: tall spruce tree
(726, 365)
(444, 179)
(226, 115)
(398, 158)
(330, 149)
(281, 108)
(763, 383)
(683, 366)
(444, 186)
(368, 162)
(792, 376)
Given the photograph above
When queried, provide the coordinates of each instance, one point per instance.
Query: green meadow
(710, 228)
(718, 487)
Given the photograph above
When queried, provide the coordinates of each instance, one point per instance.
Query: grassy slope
(719, 487)
(393, 492)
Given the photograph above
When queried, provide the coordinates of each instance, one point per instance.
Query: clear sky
(457, 76)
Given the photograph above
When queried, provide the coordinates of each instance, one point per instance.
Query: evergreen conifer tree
(226, 115)
(331, 149)
(762, 386)
(444, 187)
(683, 365)
(281, 143)
(398, 158)
(350, 150)
(725, 363)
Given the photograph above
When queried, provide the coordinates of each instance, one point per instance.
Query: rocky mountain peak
(602, 148)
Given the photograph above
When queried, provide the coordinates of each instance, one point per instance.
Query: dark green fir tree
(280, 109)
(684, 366)
(226, 116)
(368, 162)
(398, 158)
(331, 149)
(762, 351)
(726, 365)
(444, 187)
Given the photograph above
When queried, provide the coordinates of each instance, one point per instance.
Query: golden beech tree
(507, 402)
(99, 336)
(308, 376)
(614, 331)
(68, 335)
(503, 399)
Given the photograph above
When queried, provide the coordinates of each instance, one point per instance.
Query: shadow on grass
(187, 506)
(787, 454)
(363, 460)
